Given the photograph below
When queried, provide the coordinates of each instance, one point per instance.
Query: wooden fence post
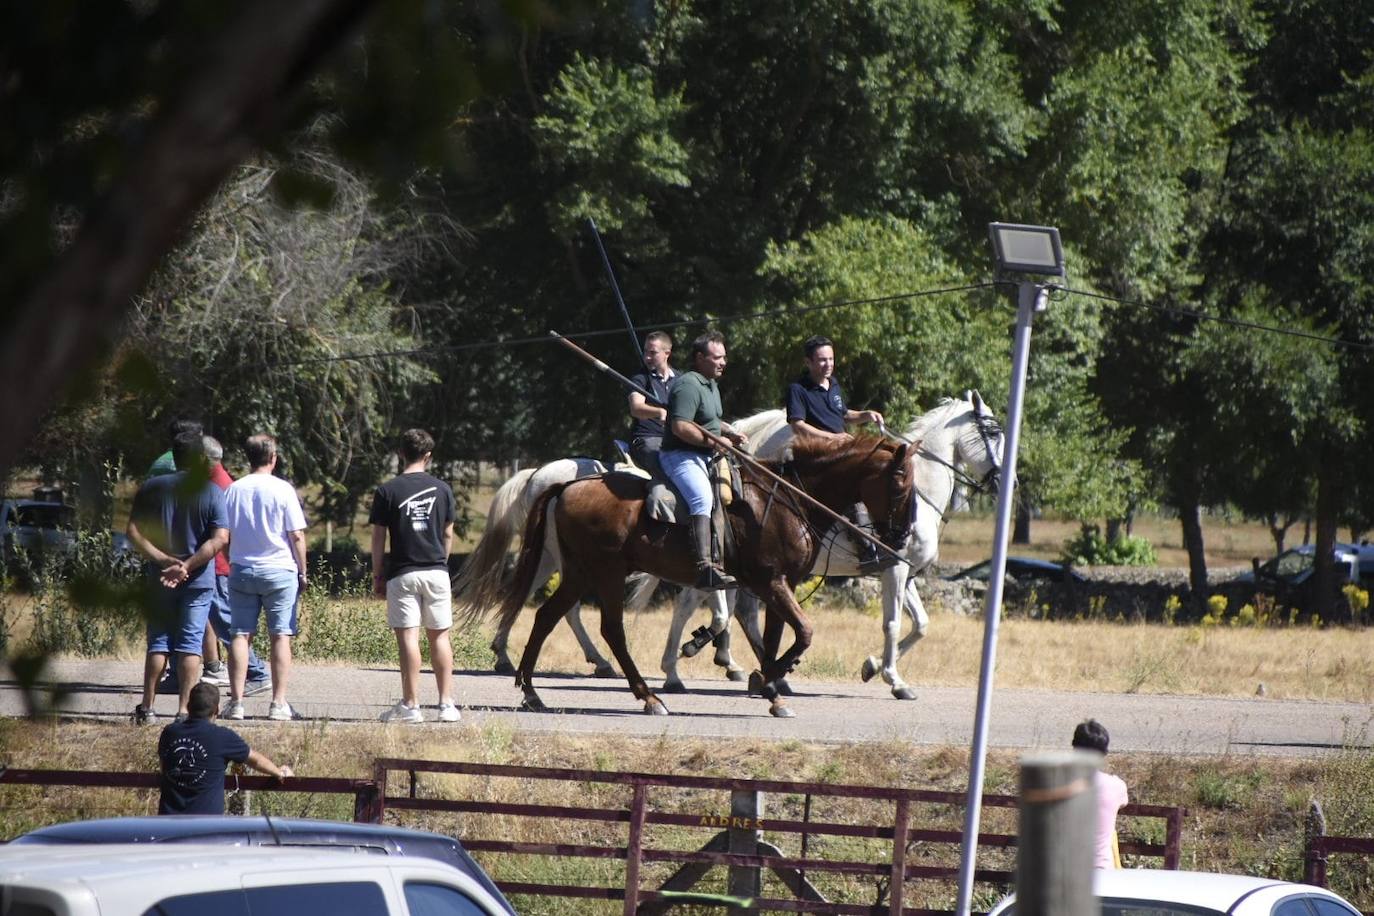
(1314, 854)
(744, 881)
(634, 848)
(1055, 840)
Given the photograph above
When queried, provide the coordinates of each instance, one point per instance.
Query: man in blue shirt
(815, 406)
(193, 753)
(178, 522)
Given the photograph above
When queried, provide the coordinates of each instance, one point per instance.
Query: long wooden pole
(725, 444)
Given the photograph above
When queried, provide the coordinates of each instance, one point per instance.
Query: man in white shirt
(266, 571)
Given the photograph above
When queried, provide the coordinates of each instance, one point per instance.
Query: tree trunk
(1278, 531)
(243, 94)
(1190, 515)
(1020, 532)
(1324, 580)
(1114, 533)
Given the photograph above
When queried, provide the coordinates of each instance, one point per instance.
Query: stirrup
(710, 579)
(876, 562)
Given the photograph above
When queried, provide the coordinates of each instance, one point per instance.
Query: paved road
(828, 712)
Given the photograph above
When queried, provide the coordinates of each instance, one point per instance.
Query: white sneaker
(215, 674)
(448, 713)
(403, 713)
(232, 710)
(282, 712)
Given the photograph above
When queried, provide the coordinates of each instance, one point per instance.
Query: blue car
(297, 833)
(1022, 569)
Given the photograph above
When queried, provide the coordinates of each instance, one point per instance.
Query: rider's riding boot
(871, 560)
(710, 578)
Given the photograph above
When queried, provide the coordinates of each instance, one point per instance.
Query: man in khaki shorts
(417, 510)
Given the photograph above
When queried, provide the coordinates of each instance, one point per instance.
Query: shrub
(1090, 548)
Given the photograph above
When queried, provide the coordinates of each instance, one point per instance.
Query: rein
(960, 476)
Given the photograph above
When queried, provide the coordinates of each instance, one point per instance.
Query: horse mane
(820, 451)
(932, 419)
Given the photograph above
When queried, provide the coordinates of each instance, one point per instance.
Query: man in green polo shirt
(695, 399)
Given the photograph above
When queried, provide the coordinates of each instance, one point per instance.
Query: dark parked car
(379, 839)
(1022, 569)
(43, 532)
(1295, 566)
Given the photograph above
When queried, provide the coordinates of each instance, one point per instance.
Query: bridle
(988, 430)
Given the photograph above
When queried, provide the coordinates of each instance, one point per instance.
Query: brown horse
(604, 535)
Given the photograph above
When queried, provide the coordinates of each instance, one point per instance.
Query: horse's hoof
(673, 687)
(654, 707)
(503, 667)
(869, 669)
(605, 671)
(755, 684)
(780, 711)
(904, 693)
(783, 688)
(532, 703)
(736, 674)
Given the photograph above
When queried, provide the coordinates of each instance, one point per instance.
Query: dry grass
(1245, 814)
(1293, 663)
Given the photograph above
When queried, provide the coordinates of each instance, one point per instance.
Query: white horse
(957, 434)
(479, 584)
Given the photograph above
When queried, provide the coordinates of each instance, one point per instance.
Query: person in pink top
(1090, 735)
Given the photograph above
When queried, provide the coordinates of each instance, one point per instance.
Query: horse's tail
(517, 590)
(642, 587)
(478, 585)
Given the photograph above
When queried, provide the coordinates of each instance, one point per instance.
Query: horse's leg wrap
(701, 637)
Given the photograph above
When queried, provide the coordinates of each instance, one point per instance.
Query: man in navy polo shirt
(815, 406)
(657, 377)
(194, 752)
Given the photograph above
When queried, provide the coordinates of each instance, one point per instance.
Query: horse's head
(979, 443)
(891, 499)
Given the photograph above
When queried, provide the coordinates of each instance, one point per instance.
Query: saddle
(666, 505)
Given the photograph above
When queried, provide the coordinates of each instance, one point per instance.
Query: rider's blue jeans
(687, 470)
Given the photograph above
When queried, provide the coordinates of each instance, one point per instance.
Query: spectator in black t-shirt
(194, 753)
(815, 406)
(646, 432)
(417, 510)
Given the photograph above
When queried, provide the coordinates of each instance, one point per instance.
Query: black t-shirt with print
(416, 508)
(194, 754)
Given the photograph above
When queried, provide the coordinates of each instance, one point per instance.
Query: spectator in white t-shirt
(266, 571)
(1111, 794)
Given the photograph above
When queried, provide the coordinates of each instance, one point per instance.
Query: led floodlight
(1027, 249)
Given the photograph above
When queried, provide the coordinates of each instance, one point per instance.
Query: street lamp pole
(1031, 297)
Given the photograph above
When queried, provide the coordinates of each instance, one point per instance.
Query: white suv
(193, 880)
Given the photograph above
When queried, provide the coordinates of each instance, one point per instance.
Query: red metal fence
(1319, 846)
(364, 791)
(739, 844)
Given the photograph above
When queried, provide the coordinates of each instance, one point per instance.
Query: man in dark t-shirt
(815, 406)
(194, 753)
(646, 432)
(416, 510)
